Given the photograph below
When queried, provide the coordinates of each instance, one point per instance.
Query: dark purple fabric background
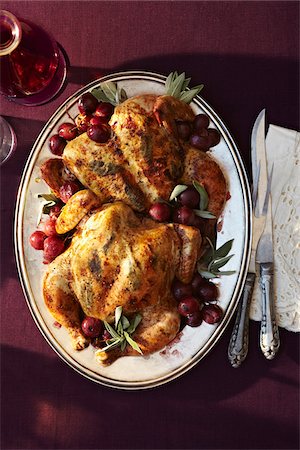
(246, 54)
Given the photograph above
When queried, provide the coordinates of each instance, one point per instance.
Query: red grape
(87, 103)
(194, 319)
(67, 190)
(104, 109)
(106, 335)
(92, 327)
(184, 130)
(201, 121)
(98, 133)
(200, 142)
(53, 246)
(190, 197)
(197, 282)
(199, 223)
(188, 305)
(67, 131)
(98, 120)
(207, 291)
(57, 144)
(181, 290)
(55, 210)
(214, 137)
(49, 226)
(184, 215)
(160, 212)
(37, 239)
(211, 313)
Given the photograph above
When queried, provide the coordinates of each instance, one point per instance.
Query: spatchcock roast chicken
(118, 256)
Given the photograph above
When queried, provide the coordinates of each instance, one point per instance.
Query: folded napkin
(283, 150)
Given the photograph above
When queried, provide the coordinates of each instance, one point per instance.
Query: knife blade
(269, 334)
(239, 341)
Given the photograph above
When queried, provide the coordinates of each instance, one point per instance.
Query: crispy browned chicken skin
(117, 258)
(143, 160)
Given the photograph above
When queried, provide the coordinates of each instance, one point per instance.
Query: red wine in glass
(33, 68)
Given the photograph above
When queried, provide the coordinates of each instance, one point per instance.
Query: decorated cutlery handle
(238, 344)
(269, 335)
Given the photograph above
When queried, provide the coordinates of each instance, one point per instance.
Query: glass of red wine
(33, 67)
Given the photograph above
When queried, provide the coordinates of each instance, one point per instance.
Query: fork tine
(266, 202)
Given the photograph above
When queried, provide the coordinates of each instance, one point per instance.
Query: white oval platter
(192, 344)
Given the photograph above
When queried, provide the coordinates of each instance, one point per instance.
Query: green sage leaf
(168, 81)
(224, 249)
(176, 85)
(203, 195)
(226, 272)
(206, 274)
(125, 322)
(207, 257)
(123, 95)
(49, 197)
(118, 314)
(134, 323)
(109, 88)
(108, 91)
(119, 336)
(47, 207)
(99, 94)
(185, 83)
(116, 343)
(177, 191)
(110, 329)
(187, 96)
(204, 214)
(132, 343)
(217, 264)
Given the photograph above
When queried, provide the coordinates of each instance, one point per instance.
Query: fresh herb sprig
(122, 331)
(202, 211)
(210, 264)
(48, 201)
(176, 85)
(108, 91)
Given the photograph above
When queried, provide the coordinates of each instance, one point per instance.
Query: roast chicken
(118, 256)
(143, 160)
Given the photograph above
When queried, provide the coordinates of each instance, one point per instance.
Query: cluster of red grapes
(195, 298)
(47, 239)
(93, 119)
(182, 212)
(198, 133)
(196, 301)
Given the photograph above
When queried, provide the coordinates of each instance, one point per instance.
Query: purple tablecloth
(246, 54)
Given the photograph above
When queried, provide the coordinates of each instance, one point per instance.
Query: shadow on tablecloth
(46, 405)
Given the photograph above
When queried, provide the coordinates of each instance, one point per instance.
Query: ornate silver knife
(238, 345)
(269, 335)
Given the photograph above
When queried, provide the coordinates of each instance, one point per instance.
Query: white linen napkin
(283, 150)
